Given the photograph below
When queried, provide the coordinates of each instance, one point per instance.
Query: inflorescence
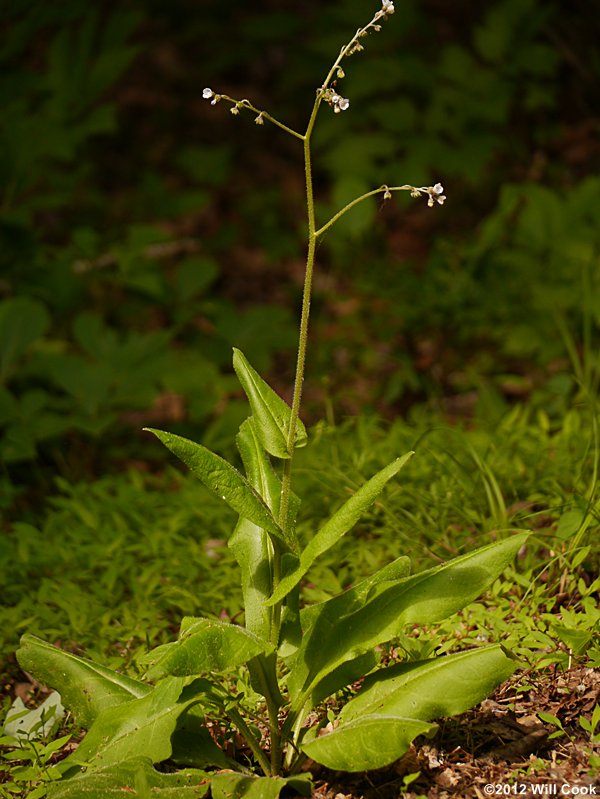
(328, 94)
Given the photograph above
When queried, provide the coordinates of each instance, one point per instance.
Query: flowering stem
(357, 200)
(237, 104)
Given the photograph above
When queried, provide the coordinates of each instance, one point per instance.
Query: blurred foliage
(143, 233)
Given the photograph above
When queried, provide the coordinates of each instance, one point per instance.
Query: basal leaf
(236, 786)
(366, 743)
(207, 645)
(222, 479)
(430, 689)
(343, 520)
(271, 414)
(134, 778)
(85, 687)
(142, 725)
(423, 598)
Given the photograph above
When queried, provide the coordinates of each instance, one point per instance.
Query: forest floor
(500, 748)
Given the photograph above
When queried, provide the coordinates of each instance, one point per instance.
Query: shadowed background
(145, 232)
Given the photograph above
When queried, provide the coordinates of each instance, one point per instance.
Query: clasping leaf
(342, 520)
(271, 414)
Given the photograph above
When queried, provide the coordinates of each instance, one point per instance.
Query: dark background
(143, 232)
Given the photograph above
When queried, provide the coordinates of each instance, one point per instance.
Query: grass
(111, 566)
(107, 568)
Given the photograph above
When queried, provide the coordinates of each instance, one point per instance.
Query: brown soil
(502, 743)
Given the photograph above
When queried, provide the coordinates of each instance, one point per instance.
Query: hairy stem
(380, 190)
(250, 739)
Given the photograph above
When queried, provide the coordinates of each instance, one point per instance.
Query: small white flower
(235, 110)
(335, 99)
(259, 120)
(343, 104)
(387, 7)
(436, 195)
(207, 93)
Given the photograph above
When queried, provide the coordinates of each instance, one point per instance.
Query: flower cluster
(336, 101)
(208, 94)
(436, 195)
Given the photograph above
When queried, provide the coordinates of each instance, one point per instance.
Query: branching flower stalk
(326, 93)
(321, 648)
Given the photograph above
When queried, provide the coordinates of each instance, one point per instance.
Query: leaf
(424, 598)
(251, 544)
(232, 786)
(207, 645)
(367, 743)
(271, 414)
(430, 689)
(356, 597)
(222, 479)
(193, 744)
(142, 725)
(85, 687)
(132, 778)
(342, 520)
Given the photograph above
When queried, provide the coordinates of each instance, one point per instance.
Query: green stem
(357, 200)
(250, 740)
(263, 114)
(286, 483)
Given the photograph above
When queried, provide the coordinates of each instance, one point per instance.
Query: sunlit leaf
(367, 743)
(424, 598)
(85, 687)
(430, 689)
(135, 778)
(206, 645)
(271, 414)
(221, 478)
(340, 523)
(142, 725)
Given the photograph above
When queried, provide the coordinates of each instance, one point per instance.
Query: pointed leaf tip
(271, 414)
(222, 479)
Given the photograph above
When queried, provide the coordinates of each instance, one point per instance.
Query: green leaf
(132, 778)
(85, 687)
(142, 725)
(367, 743)
(342, 520)
(222, 479)
(236, 786)
(206, 645)
(423, 598)
(356, 597)
(271, 414)
(251, 544)
(430, 689)
(193, 744)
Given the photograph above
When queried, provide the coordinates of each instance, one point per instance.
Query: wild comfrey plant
(294, 657)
